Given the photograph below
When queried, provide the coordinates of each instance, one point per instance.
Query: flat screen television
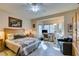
(44, 31)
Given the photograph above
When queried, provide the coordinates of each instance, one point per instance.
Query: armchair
(65, 46)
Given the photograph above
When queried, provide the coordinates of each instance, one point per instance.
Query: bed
(25, 44)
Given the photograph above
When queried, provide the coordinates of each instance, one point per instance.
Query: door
(74, 19)
(75, 46)
(78, 29)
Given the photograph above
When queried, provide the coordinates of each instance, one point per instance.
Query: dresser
(1, 44)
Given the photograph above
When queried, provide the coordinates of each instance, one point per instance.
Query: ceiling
(48, 9)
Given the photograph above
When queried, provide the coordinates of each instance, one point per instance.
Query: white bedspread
(25, 41)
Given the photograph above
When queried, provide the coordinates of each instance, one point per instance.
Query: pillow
(68, 39)
(19, 36)
(10, 36)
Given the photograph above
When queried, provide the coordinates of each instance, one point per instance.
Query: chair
(65, 46)
(45, 36)
(52, 37)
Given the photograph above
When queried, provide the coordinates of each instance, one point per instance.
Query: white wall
(4, 20)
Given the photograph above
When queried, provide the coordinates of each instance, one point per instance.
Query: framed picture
(33, 25)
(70, 27)
(14, 22)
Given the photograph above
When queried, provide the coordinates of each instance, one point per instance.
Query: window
(46, 27)
(52, 28)
(49, 28)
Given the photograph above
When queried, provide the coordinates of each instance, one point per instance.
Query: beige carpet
(7, 52)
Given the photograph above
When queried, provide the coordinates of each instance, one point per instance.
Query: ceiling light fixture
(35, 7)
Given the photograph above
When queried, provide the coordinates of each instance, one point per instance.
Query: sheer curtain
(40, 30)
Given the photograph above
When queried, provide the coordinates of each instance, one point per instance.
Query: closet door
(78, 29)
(74, 43)
(75, 46)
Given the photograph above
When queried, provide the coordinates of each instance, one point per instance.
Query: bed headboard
(13, 31)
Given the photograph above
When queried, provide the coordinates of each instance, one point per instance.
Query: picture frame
(33, 25)
(70, 27)
(14, 22)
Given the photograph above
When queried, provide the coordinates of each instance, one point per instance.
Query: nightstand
(1, 44)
